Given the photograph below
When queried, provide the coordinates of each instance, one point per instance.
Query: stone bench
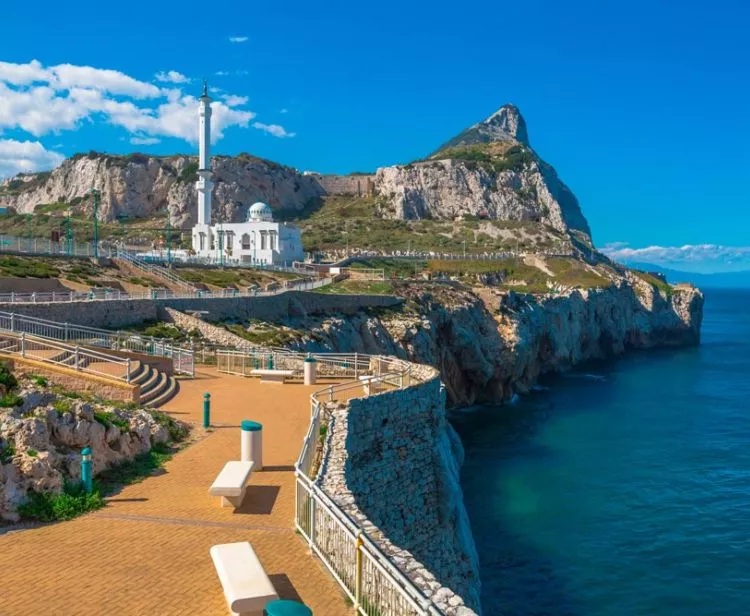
(246, 586)
(231, 483)
(272, 376)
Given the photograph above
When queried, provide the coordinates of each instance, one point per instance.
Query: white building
(259, 241)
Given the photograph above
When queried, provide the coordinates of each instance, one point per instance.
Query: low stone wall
(125, 313)
(107, 389)
(392, 462)
(213, 333)
(360, 185)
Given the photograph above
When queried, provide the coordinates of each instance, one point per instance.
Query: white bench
(231, 483)
(272, 376)
(245, 583)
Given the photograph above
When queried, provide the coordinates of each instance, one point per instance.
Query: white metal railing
(115, 295)
(374, 584)
(76, 357)
(155, 270)
(183, 358)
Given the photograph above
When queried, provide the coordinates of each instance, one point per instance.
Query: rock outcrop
(138, 186)
(490, 345)
(488, 171)
(41, 441)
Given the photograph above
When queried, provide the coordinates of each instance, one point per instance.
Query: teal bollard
(87, 470)
(206, 410)
(283, 607)
(270, 362)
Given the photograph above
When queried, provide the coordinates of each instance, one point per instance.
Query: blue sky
(642, 107)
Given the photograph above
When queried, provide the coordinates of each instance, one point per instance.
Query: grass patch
(358, 287)
(10, 400)
(72, 502)
(177, 431)
(62, 406)
(655, 281)
(135, 470)
(109, 419)
(7, 451)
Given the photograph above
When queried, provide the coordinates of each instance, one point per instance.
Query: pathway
(147, 552)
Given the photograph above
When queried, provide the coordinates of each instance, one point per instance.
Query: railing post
(358, 574)
(311, 500)
(23, 344)
(128, 375)
(356, 365)
(66, 331)
(77, 356)
(12, 320)
(330, 393)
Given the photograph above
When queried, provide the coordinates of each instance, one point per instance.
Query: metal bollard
(206, 410)
(251, 443)
(87, 470)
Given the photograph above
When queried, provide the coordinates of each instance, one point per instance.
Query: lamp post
(169, 238)
(121, 219)
(68, 233)
(95, 194)
(30, 225)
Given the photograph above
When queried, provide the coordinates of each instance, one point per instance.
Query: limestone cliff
(489, 171)
(490, 344)
(138, 186)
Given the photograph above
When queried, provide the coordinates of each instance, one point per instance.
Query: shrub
(62, 406)
(10, 400)
(7, 452)
(72, 502)
(33, 453)
(38, 380)
(7, 378)
(108, 419)
(177, 431)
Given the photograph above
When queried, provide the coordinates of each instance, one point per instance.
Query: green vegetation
(62, 406)
(75, 501)
(109, 419)
(38, 380)
(18, 267)
(392, 268)
(354, 221)
(72, 502)
(232, 277)
(655, 281)
(358, 287)
(8, 380)
(10, 400)
(7, 451)
(177, 432)
(265, 334)
(494, 157)
(519, 276)
(189, 173)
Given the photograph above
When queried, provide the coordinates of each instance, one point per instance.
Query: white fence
(373, 583)
(183, 359)
(76, 357)
(115, 295)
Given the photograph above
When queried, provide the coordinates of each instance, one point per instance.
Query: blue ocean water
(623, 489)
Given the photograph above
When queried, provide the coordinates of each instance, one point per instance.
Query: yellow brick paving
(147, 551)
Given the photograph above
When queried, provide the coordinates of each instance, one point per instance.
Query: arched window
(245, 241)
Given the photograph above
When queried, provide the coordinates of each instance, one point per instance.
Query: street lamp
(95, 194)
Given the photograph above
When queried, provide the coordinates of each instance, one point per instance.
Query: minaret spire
(204, 184)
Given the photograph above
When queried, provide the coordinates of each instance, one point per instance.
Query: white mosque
(259, 241)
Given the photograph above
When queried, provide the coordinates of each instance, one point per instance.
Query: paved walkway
(146, 553)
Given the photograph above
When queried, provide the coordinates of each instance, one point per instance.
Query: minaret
(204, 183)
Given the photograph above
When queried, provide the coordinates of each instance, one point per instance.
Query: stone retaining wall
(125, 313)
(392, 462)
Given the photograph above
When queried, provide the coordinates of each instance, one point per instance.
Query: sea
(620, 489)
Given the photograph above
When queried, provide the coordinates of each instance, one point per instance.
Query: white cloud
(690, 257)
(284, 111)
(235, 101)
(273, 129)
(18, 156)
(171, 77)
(222, 73)
(239, 73)
(144, 140)
(237, 39)
(41, 100)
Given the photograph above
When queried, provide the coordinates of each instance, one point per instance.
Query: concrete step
(156, 390)
(173, 386)
(148, 383)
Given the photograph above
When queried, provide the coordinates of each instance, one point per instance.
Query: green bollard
(87, 474)
(270, 362)
(206, 410)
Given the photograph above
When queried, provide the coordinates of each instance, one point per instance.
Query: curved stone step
(150, 382)
(173, 386)
(156, 390)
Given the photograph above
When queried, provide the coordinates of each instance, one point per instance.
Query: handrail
(160, 293)
(183, 358)
(154, 270)
(26, 345)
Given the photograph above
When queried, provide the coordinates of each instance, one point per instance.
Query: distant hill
(726, 280)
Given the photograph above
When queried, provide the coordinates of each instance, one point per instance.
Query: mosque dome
(260, 211)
